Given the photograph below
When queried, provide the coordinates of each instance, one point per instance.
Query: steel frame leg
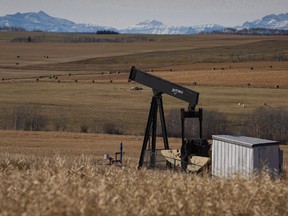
(152, 125)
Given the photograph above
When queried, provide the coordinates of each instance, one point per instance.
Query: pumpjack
(193, 155)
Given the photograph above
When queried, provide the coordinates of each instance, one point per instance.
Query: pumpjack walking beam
(160, 86)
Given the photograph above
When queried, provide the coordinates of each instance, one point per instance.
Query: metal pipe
(121, 152)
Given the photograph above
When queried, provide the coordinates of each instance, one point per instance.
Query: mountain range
(279, 22)
(157, 27)
(41, 21)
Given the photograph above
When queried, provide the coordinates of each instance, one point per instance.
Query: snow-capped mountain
(157, 27)
(43, 22)
(147, 27)
(272, 21)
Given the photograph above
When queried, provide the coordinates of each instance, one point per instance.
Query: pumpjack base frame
(151, 128)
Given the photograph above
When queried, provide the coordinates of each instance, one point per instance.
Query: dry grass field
(64, 174)
(86, 84)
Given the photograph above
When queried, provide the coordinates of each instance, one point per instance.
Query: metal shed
(244, 155)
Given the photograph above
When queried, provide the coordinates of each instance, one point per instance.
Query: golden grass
(63, 174)
(147, 54)
(263, 75)
(33, 53)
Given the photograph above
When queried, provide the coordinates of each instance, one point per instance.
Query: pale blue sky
(123, 13)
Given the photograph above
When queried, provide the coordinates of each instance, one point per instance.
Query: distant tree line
(265, 122)
(251, 31)
(107, 32)
(29, 117)
(32, 117)
(82, 38)
(11, 29)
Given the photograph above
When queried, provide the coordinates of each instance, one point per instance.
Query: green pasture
(94, 105)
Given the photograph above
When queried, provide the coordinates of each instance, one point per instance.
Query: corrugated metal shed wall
(229, 159)
(243, 155)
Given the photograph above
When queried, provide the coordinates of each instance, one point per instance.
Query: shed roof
(245, 141)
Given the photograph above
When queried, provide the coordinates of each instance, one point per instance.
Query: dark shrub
(110, 128)
(213, 123)
(84, 129)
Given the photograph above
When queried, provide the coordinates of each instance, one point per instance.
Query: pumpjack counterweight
(160, 86)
